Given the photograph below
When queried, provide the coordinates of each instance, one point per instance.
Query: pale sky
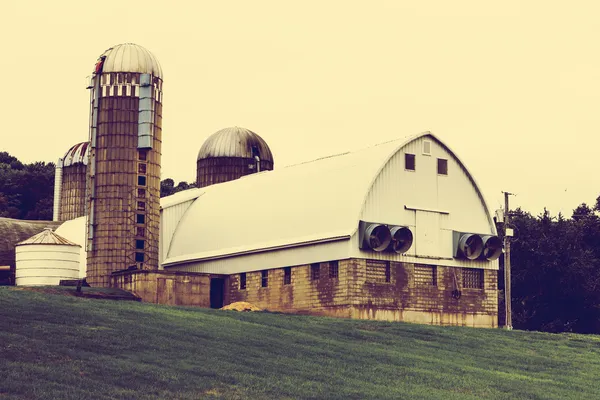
(512, 87)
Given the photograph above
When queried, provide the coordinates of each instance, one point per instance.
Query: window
(140, 218)
(141, 192)
(141, 180)
(141, 205)
(427, 147)
(140, 231)
(139, 257)
(388, 272)
(242, 281)
(142, 155)
(409, 162)
(333, 269)
(425, 275)
(264, 281)
(287, 275)
(139, 244)
(377, 271)
(315, 271)
(442, 166)
(472, 278)
(141, 168)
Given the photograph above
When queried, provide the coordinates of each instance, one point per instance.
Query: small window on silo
(141, 168)
(140, 231)
(139, 244)
(442, 166)
(141, 193)
(141, 180)
(141, 205)
(287, 275)
(242, 281)
(139, 257)
(264, 281)
(142, 155)
(140, 218)
(409, 162)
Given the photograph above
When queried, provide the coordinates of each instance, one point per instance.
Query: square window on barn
(333, 269)
(140, 218)
(442, 166)
(472, 278)
(141, 180)
(409, 162)
(425, 275)
(377, 271)
(315, 271)
(264, 278)
(242, 281)
(287, 275)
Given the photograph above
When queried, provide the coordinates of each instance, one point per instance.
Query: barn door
(427, 242)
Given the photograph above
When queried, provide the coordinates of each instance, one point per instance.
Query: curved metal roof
(77, 154)
(235, 142)
(316, 201)
(46, 237)
(129, 57)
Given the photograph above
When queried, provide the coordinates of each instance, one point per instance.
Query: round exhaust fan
(402, 239)
(378, 237)
(470, 245)
(492, 247)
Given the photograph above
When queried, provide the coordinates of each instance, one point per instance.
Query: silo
(230, 154)
(124, 165)
(70, 183)
(46, 259)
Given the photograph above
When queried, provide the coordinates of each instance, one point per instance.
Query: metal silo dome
(230, 154)
(129, 57)
(77, 154)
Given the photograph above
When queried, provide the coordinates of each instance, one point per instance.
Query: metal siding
(269, 260)
(169, 220)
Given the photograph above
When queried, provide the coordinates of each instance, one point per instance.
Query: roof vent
(427, 147)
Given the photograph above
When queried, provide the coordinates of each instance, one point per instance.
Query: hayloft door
(217, 290)
(428, 233)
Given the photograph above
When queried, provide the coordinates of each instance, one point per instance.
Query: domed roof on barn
(235, 142)
(129, 57)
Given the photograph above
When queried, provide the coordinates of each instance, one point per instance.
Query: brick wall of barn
(368, 289)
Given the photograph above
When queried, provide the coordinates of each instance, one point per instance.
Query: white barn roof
(313, 202)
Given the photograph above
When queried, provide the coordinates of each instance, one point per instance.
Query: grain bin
(46, 259)
(124, 163)
(230, 154)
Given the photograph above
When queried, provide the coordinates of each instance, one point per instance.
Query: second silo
(230, 154)
(70, 183)
(124, 166)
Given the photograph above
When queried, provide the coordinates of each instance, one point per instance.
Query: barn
(398, 231)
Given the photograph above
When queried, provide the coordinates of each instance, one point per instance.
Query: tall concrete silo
(230, 154)
(124, 166)
(70, 183)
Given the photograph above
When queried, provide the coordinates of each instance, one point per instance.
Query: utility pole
(507, 234)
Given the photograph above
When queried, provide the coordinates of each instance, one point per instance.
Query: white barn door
(428, 234)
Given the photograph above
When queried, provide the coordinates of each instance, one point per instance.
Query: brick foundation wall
(361, 290)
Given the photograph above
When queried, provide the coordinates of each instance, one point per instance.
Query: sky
(512, 87)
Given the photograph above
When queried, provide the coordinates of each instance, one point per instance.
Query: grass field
(62, 347)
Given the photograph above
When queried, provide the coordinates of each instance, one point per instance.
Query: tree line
(555, 260)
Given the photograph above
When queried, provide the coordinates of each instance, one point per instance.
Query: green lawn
(63, 347)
